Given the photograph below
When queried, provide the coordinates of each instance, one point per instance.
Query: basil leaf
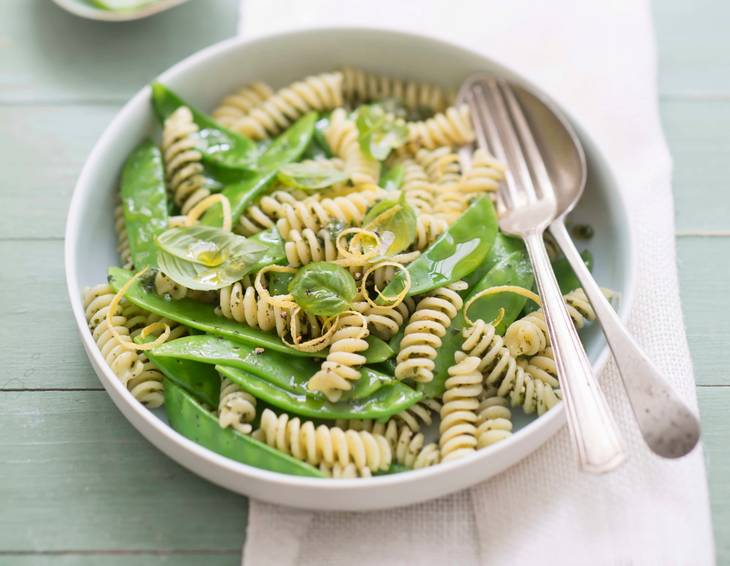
(275, 253)
(323, 289)
(310, 176)
(397, 107)
(207, 258)
(199, 244)
(379, 132)
(395, 223)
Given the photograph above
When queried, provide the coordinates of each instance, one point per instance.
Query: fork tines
(502, 129)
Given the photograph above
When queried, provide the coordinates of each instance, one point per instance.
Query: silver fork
(527, 206)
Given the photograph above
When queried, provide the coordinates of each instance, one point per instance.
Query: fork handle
(591, 425)
(668, 426)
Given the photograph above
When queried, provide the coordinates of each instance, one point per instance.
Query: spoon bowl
(565, 161)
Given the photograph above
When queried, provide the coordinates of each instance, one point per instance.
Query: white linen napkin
(598, 59)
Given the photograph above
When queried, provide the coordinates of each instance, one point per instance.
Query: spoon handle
(668, 426)
(592, 427)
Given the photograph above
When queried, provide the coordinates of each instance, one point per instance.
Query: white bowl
(91, 12)
(203, 79)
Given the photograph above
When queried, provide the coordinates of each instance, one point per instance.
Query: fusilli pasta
(237, 409)
(264, 214)
(459, 412)
(408, 446)
(493, 420)
(416, 185)
(443, 168)
(315, 214)
(242, 303)
(324, 445)
(426, 327)
(429, 228)
(420, 414)
(385, 321)
(452, 127)
(340, 368)
(125, 363)
(529, 335)
(441, 165)
(484, 175)
(235, 106)
(148, 385)
(125, 253)
(319, 92)
(183, 170)
(166, 287)
(341, 135)
(307, 246)
(360, 87)
(501, 370)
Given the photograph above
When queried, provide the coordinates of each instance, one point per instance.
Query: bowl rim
(91, 12)
(551, 421)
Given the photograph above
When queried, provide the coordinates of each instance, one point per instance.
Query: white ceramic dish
(86, 10)
(202, 79)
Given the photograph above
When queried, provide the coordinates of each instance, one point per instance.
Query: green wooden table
(78, 485)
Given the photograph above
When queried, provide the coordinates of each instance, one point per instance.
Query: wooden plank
(77, 476)
(696, 131)
(714, 402)
(692, 46)
(703, 273)
(51, 55)
(43, 159)
(125, 559)
(37, 323)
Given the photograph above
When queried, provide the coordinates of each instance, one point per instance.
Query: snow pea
(388, 366)
(275, 249)
(318, 148)
(144, 202)
(503, 246)
(566, 278)
(288, 147)
(199, 315)
(188, 417)
(511, 270)
(239, 194)
(378, 350)
(385, 402)
(564, 273)
(199, 380)
(290, 144)
(277, 368)
(218, 145)
(515, 269)
(391, 178)
(202, 316)
(455, 254)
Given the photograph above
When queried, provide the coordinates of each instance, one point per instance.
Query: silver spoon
(668, 426)
(528, 204)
